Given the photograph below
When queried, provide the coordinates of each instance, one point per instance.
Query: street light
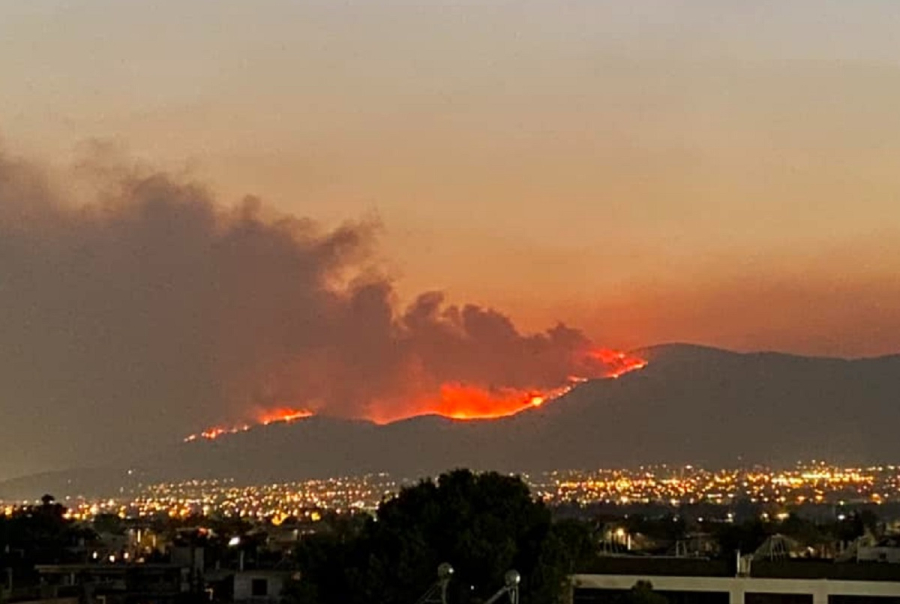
(235, 542)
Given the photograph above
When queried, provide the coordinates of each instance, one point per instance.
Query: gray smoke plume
(153, 311)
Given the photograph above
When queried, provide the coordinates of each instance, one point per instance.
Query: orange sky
(650, 171)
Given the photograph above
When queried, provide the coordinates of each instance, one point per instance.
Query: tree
(744, 537)
(856, 524)
(37, 534)
(642, 593)
(803, 531)
(482, 524)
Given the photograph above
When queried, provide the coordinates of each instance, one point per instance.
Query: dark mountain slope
(689, 405)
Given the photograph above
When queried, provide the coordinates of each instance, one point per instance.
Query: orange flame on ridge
(266, 417)
(283, 414)
(619, 363)
(465, 401)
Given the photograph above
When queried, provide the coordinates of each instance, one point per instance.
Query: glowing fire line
(270, 416)
(462, 401)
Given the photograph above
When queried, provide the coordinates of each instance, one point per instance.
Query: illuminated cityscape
(810, 483)
(805, 483)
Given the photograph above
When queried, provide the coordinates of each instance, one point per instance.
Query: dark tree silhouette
(37, 534)
(482, 524)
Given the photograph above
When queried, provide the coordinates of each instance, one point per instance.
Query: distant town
(661, 534)
(776, 490)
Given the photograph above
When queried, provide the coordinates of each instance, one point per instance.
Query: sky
(718, 172)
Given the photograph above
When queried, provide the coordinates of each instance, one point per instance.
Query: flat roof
(790, 568)
(740, 585)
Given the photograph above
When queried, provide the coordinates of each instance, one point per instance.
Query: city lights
(668, 485)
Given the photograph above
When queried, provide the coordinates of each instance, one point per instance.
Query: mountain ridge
(691, 404)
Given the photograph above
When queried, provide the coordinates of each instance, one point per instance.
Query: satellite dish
(510, 588)
(437, 593)
(445, 571)
(512, 578)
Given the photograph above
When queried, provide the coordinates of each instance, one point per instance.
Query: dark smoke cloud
(153, 311)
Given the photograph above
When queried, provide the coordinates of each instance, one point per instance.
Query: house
(120, 583)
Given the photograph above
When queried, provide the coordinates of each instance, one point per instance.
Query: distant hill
(691, 404)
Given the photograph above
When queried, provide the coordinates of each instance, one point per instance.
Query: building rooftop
(772, 569)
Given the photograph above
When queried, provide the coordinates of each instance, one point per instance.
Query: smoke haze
(151, 310)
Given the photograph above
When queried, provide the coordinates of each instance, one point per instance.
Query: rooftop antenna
(511, 582)
(437, 593)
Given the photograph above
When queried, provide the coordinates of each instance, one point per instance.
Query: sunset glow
(326, 217)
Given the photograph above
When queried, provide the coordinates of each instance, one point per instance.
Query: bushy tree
(37, 534)
(482, 524)
(745, 537)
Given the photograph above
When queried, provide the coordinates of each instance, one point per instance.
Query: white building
(596, 589)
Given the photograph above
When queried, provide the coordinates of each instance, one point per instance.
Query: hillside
(690, 405)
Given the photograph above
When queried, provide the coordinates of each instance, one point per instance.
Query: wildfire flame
(460, 401)
(466, 401)
(266, 417)
(283, 414)
(617, 363)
